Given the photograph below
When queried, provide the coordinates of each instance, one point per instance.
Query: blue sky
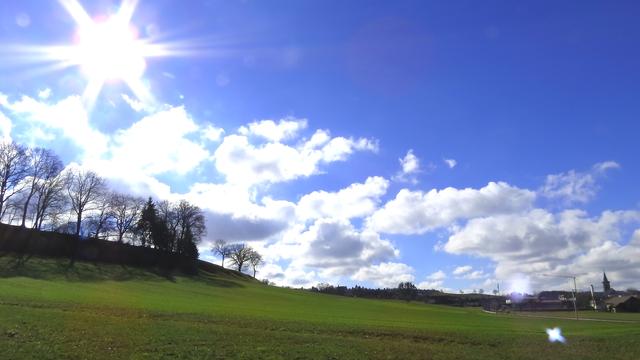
(536, 102)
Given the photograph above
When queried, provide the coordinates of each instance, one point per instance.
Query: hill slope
(104, 311)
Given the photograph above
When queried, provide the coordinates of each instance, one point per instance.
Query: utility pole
(575, 289)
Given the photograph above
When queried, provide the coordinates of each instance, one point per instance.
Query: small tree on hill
(221, 249)
(240, 254)
(255, 259)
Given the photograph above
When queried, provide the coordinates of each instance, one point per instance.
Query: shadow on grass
(24, 265)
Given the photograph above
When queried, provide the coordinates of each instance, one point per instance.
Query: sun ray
(127, 8)
(77, 12)
(141, 91)
(91, 92)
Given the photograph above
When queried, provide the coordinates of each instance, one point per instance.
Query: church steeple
(606, 285)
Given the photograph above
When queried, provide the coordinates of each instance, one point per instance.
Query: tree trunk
(223, 261)
(26, 206)
(78, 223)
(254, 273)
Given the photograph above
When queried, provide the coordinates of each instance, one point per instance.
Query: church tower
(606, 285)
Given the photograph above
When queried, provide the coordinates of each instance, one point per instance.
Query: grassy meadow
(48, 311)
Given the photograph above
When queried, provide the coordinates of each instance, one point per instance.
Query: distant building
(629, 303)
(612, 300)
(606, 285)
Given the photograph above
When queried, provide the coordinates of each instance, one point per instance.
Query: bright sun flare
(105, 49)
(109, 50)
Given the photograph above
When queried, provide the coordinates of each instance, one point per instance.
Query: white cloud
(474, 275)
(460, 270)
(539, 242)
(158, 144)
(340, 249)
(285, 129)
(68, 117)
(44, 94)
(137, 105)
(409, 167)
(387, 275)
(438, 275)
(410, 163)
(576, 187)
(212, 133)
(433, 281)
(234, 215)
(451, 163)
(242, 162)
(5, 127)
(416, 212)
(357, 200)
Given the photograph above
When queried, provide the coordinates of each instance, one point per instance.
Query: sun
(108, 50)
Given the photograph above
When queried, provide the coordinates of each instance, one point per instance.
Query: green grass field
(48, 310)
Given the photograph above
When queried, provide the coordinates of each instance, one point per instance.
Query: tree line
(37, 191)
(405, 291)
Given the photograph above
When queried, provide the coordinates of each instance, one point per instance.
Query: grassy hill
(49, 310)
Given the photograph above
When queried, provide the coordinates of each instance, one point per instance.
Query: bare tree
(50, 199)
(83, 188)
(240, 254)
(221, 249)
(125, 210)
(42, 166)
(12, 172)
(167, 214)
(101, 214)
(255, 259)
(190, 218)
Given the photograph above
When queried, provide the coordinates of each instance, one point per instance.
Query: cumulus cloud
(416, 212)
(576, 187)
(5, 127)
(386, 275)
(540, 242)
(357, 200)
(234, 214)
(460, 270)
(451, 163)
(409, 167)
(433, 281)
(67, 118)
(341, 249)
(44, 93)
(158, 143)
(285, 129)
(212, 133)
(474, 275)
(242, 162)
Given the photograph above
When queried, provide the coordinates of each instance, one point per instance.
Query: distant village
(609, 299)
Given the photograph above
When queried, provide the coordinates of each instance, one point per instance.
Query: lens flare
(518, 286)
(555, 335)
